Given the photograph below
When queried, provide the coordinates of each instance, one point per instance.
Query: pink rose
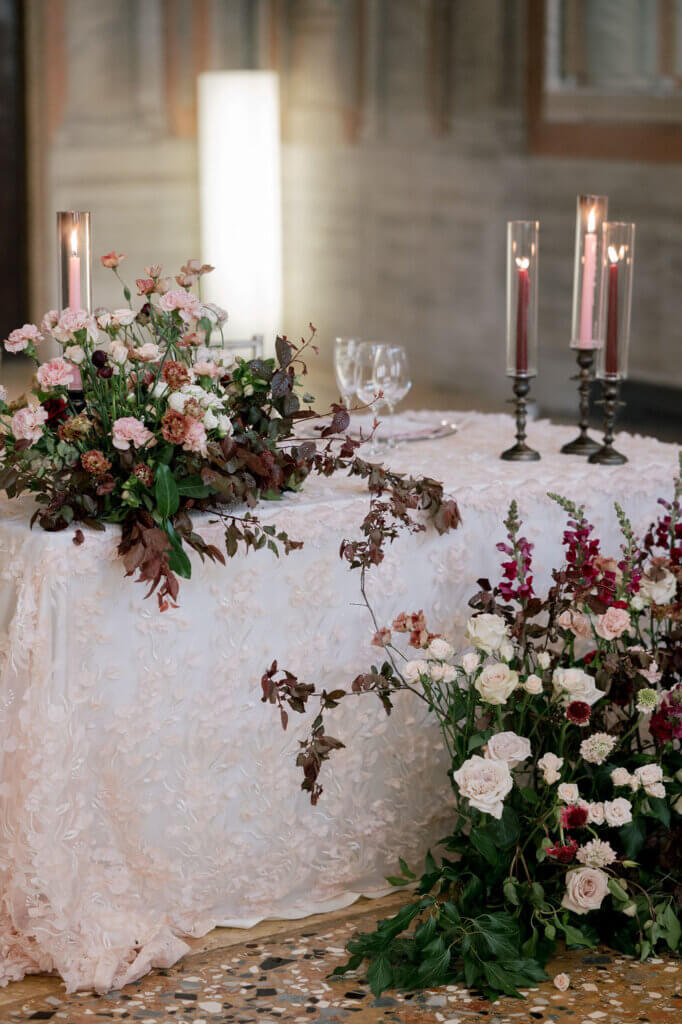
(195, 438)
(129, 430)
(585, 890)
(576, 622)
(613, 623)
(22, 337)
(27, 424)
(187, 305)
(55, 374)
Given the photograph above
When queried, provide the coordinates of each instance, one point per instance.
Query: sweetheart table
(145, 791)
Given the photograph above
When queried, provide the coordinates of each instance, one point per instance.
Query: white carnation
(413, 670)
(471, 661)
(441, 649)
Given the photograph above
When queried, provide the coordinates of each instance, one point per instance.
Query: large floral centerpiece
(562, 718)
(164, 423)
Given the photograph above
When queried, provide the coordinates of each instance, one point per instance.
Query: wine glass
(367, 384)
(393, 373)
(345, 350)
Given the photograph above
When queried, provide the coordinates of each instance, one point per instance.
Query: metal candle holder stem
(520, 452)
(583, 444)
(607, 454)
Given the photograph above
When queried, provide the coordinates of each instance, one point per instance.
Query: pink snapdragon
(55, 374)
(22, 337)
(27, 423)
(128, 430)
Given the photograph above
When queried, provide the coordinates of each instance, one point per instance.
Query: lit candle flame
(74, 242)
(616, 255)
(522, 262)
(592, 219)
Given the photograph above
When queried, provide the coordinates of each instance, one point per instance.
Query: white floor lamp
(241, 217)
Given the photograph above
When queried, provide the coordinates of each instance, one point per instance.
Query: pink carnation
(613, 623)
(185, 303)
(21, 338)
(205, 368)
(195, 438)
(129, 430)
(27, 424)
(71, 321)
(57, 373)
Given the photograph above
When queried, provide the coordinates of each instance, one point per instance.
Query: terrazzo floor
(279, 973)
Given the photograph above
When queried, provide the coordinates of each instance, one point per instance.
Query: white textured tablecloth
(146, 793)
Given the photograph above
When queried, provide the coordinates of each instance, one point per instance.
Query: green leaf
(271, 495)
(394, 880)
(670, 927)
(166, 492)
(425, 932)
(179, 562)
(405, 870)
(380, 974)
(632, 837)
(659, 809)
(499, 979)
(505, 830)
(617, 890)
(193, 487)
(486, 845)
(477, 740)
(510, 893)
(574, 936)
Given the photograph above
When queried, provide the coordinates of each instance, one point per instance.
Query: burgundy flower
(573, 816)
(564, 854)
(578, 712)
(99, 358)
(56, 409)
(105, 372)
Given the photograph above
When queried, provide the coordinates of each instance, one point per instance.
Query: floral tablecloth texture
(145, 791)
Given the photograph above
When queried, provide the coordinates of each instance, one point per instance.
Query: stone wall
(404, 156)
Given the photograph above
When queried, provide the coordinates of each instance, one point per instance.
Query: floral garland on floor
(169, 423)
(563, 723)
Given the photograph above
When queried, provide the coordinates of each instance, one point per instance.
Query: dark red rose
(573, 816)
(564, 854)
(56, 409)
(578, 712)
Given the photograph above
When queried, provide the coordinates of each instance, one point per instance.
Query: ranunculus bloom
(486, 632)
(112, 259)
(27, 423)
(508, 747)
(128, 430)
(613, 623)
(575, 684)
(485, 784)
(496, 683)
(585, 890)
(578, 712)
(56, 373)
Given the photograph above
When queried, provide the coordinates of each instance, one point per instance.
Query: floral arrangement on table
(563, 723)
(165, 422)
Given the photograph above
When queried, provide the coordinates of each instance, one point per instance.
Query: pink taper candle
(75, 296)
(589, 282)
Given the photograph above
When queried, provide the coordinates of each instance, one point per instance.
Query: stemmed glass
(367, 384)
(345, 351)
(393, 368)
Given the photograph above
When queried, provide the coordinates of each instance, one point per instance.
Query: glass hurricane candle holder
(522, 324)
(587, 332)
(75, 260)
(612, 366)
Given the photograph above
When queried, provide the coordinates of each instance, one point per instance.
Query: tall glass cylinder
(75, 260)
(522, 298)
(618, 265)
(587, 326)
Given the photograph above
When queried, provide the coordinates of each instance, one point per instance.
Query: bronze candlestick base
(607, 454)
(520, 452)
(583, 444)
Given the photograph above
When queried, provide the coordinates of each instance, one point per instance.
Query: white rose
(620, 777)
(507, 650)
(568, 793)
(496, 683)
(441, 649)
(648, 774)
(485, 784)
(509, 747)
(575, 684)
(210, 419)
(470, 662)
(413, 670)
(486, 632)
(177, 401)
(75, 353)
(596, 814)
(656, 789)
(618, 812)
(544, 659)
(436, 671)
(562, 981)
(585, 890)
(659, 591)
(550, 765)
(449, 674)
(533, 685)
(225, 428)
